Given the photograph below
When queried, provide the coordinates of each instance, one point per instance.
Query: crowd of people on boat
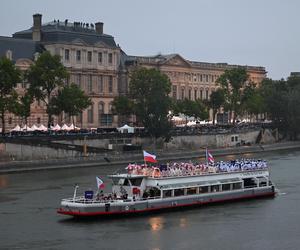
(189, 168)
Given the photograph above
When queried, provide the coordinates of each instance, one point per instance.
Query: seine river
(28, 218)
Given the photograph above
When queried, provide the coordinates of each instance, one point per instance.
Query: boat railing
(82, 199)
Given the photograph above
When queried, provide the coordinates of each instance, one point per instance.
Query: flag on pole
(149, 157)
(209, 157)
(100, 183)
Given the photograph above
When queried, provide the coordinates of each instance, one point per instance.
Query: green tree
(216, 101)
(233, 81)
(45, 76)
(9, 77)
(123, 107)
(253, 102)
(282, 103)
(23, 106)
(149, 89)
(71, 100)
(190, 108)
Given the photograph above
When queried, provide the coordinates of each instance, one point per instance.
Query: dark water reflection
(28, 218)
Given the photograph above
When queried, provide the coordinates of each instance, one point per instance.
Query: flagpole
(206, 154)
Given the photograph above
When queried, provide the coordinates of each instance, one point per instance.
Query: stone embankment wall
(14, 151)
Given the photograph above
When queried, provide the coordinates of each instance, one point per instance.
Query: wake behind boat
(144, 188)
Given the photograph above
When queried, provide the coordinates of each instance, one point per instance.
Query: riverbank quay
(122, 159)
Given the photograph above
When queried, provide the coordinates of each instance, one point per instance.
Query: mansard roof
(20, 48)
(176, 59)
(59, 32)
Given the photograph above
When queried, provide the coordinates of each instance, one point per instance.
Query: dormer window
(9, 54)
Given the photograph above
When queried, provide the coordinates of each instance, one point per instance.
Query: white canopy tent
(126, 129)
(34, 127)
(55, 128)
(16, 128)
(73, 127)
(65, 127)
(42, 128)
(25, 128)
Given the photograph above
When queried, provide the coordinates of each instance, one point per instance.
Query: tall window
(182, 93)
(174, 91)
(67, 55)
(78, 80)
(195, 94)
(78, 55)
(106, 119)
(90, 114)
(99, 57)
(89, 56)
(201, 94)
(90, 84)
(110, 58)
(110, 84)
(100, 110)
(100, 84)
(206, 94)
(190, 94)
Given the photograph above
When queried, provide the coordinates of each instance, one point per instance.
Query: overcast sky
(247, 32)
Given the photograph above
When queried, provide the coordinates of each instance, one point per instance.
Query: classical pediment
(101, 44)
(176, 60)
(79, 41)
(23, 63)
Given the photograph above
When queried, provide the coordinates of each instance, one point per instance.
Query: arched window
(195, 94)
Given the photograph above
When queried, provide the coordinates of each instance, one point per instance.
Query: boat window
(225, 187)
(136, 181)
(115, 181)
(178, 192)
(249, 183)
(191, 190)
(203, 189)
(237, 185)
(215, 188)
(124, 182)
(167, 193)
(154, 192)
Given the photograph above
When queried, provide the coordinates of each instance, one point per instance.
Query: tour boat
(144, 188)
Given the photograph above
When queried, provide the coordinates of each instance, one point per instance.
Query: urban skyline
(207, 31)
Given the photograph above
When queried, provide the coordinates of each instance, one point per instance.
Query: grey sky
(248, 32)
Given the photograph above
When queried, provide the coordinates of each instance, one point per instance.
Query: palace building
(190, 79)
(99, 66)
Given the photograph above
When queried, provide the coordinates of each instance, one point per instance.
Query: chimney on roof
(99, 28)
(37, 25)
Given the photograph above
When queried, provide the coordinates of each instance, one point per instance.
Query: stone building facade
(190, 79)
(99, 66)
(92, 59)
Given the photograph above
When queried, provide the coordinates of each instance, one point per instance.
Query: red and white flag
(149, 157)
(100, 183)
(209, 157)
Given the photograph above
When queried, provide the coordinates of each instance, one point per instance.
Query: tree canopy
(71, 100)
(149, 90)
(216, 101)
(45, 76)
(232, 82)
(9, 77)
(282, 103)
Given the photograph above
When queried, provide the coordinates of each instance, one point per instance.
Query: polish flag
(149, 157)
(100, 183)
(209, 157)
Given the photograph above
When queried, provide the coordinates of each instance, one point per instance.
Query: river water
(28, 218)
